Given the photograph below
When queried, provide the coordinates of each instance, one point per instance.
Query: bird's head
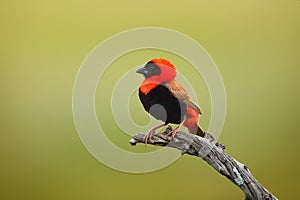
(158, 70)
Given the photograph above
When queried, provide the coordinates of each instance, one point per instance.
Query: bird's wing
(180, 93)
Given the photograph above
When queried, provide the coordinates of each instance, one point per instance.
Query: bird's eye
(149, 67)
(152, 68)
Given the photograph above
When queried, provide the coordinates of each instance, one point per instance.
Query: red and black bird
(165, 99)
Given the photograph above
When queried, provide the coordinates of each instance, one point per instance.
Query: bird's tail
(200, 132)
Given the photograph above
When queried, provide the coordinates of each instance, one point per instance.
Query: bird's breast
(162, 105)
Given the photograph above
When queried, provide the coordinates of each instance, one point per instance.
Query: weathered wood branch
(213, 153)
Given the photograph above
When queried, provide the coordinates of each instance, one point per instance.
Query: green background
(255, 44)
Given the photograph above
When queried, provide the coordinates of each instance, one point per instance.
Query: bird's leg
(174, 131)
(151, 132)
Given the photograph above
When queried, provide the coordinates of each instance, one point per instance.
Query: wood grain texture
(213, 153)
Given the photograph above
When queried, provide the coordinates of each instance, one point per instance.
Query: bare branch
(213, 153)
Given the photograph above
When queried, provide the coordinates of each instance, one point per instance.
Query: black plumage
(162, 105)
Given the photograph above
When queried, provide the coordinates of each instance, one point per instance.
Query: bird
(165, 99)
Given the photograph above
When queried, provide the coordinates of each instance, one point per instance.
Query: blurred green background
(255, 44)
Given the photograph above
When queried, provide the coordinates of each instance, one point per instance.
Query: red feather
(167, 77)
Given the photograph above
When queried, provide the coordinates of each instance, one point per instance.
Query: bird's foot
(173, 132)
(149, 136)
(151, 133)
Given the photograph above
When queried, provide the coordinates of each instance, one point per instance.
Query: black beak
(143, 71)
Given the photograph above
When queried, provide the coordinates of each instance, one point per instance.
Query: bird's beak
(142, 70)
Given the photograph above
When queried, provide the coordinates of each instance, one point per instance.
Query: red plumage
(161, 88)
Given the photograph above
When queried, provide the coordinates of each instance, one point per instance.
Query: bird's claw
(173, 133)
(148, 136)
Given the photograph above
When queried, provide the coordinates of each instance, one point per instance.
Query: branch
(213, 153)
